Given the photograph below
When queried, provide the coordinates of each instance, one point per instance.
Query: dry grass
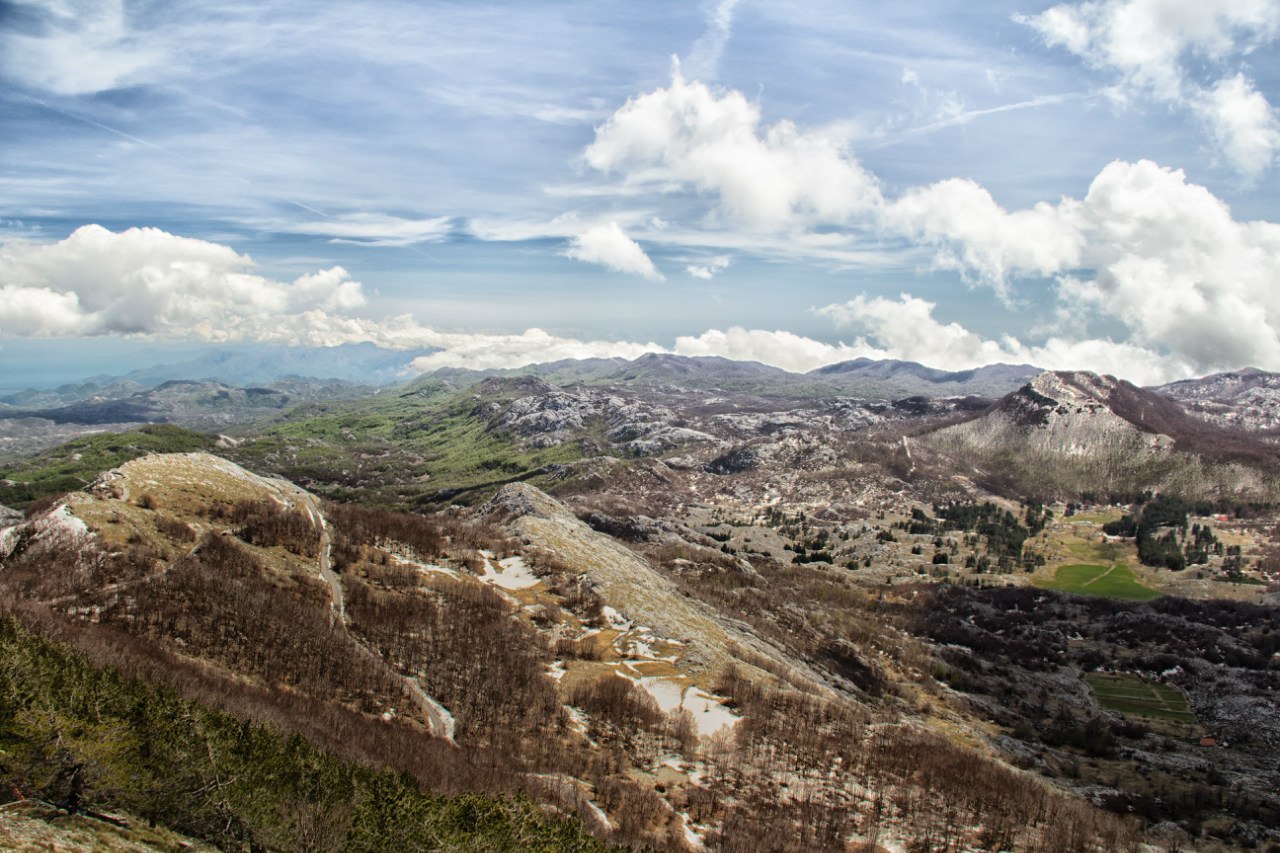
(35, 827)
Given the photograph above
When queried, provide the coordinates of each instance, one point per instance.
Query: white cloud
(710, 269)
(39, 311)
(375, 229)
(147, 281)
(978, 236)
(534, 346)
(1243, 123)
(1153, 45)
(772, 176)
(906, 329)
(1173, 265)
(1144, 247)
(777, 348)
(608, 246)
(903, 329)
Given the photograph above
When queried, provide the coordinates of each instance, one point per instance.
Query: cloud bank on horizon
(686, 187)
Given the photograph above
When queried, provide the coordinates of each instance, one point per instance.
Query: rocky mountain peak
(521, 499)
(1075, 387)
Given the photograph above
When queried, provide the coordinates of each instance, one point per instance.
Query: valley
(692, 604)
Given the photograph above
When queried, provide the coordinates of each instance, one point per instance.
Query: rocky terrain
(1247, 399)
(1074, 432)
(681, 611)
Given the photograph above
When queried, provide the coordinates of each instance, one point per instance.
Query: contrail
(970, 115)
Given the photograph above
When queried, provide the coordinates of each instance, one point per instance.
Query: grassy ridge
(85, 737)
(1116, 582)
(398, 449)
(74, 465)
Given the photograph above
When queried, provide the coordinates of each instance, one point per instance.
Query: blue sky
(1086, 185)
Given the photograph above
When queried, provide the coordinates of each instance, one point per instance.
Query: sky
(1077, 185)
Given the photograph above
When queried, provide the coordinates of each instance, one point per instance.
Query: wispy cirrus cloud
(375, 229)
(703, 61)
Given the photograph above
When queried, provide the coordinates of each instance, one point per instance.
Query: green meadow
(1118, 581)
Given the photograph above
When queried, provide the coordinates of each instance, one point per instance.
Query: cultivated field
(1130, 694)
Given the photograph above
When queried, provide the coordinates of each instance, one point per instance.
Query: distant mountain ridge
(1247, 399)
(895, 378)
(364, 363)
(194, 403)
(863, 378)
(1064, 430)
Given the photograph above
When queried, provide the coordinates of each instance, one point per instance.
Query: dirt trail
(327, 574)
(437, 716)
(1101, 576)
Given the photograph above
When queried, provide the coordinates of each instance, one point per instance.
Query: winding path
(437, 716)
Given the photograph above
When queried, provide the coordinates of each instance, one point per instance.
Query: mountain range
(684, 603)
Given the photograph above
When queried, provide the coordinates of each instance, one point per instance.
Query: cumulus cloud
(1243, 123)
(1151, 44)
(771, 176)
(1162, 256)
(534, 346)
(375, 229)
(609, 246)
(906, 329)
(977, 236)
(710, 269)
(1173, 265)
(1143, 248)
(777, 348)
(147, 281)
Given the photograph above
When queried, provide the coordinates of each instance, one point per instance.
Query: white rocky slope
(1245, 399)
(630, 585)
(1070, 413)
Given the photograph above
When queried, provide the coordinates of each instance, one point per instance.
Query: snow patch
(599, 814)
(424, 567)
(616, 620)
(709, 713)
(8, 540)
(667, 693)
(509, 573)
(577, 720)
(450, 724)
(691, 837)
(640, 649)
